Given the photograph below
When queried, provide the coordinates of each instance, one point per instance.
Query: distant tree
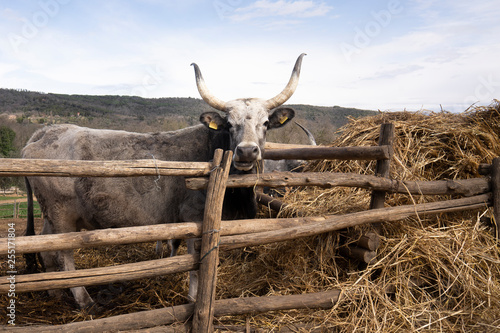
(7, 136)
(5, 183)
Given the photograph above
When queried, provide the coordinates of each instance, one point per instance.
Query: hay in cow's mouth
(244, 166)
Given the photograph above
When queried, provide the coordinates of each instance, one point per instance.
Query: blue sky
(386, 55)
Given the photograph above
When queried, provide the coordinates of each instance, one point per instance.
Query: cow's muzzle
(245, 157)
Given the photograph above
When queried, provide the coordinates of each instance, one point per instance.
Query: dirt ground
(10, 201)
(20, 225)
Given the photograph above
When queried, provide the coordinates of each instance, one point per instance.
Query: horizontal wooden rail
(466, 187)
(338, 222)
(141, 234)
(182, 313)
(11, 167)
(330, 153)
(484, 169)
(275, 145)
(102, 275)
(102, 237)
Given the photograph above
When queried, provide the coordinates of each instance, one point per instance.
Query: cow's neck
(239, 203)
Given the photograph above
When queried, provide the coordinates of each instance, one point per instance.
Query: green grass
(7, 210)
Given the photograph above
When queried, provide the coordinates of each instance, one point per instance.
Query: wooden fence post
(383, 166)
(495, 188)
(367, 245)
(17, 207)
(209, 253)
(386, 138)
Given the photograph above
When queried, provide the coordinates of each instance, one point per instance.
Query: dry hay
(439, 273)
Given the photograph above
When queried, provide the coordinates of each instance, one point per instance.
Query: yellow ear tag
(283, 119)
(212, 125)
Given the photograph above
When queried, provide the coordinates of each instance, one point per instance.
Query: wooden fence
(476, 193)
(12, 209)
(16, 209)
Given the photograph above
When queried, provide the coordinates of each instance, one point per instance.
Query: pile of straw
(432, 273)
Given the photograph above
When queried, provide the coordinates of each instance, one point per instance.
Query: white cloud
(394, 71)
(266, 8)
(6, 68)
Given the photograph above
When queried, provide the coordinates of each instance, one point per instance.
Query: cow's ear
(280, 117)
(213, 120)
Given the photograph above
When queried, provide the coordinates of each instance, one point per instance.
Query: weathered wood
(330, 153)
(174, 328)
(269, 201)
(365, 249)
(180, 313)
(495, 182)
(11, 167)
(209, 254)
(383, 165)
(358, 253)
(291, 327)
(466, 187)
(382, 169)
(238, 306)
(275, 145)
(104, 237)
(369, 241)
(332, 223)
(484, 169)
(131, 235)
(101, 275)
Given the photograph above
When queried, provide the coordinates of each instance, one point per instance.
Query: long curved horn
(205, 94)
(310, 136)
(283, 96)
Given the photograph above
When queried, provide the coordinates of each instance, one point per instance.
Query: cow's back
(80, 143)
(113, 202)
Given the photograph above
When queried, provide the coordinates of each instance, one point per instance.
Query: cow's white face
(248, 119)
(247, 122)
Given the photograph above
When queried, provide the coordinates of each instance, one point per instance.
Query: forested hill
(146, 114)
(29, 102)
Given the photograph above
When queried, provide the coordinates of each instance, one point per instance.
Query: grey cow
(289, 165)
(70, 204)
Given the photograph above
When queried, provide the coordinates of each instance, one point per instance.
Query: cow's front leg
(159, 248)
(63, 261)
(192, 209)
(80, 294)
(193, 275)
(174, 246)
